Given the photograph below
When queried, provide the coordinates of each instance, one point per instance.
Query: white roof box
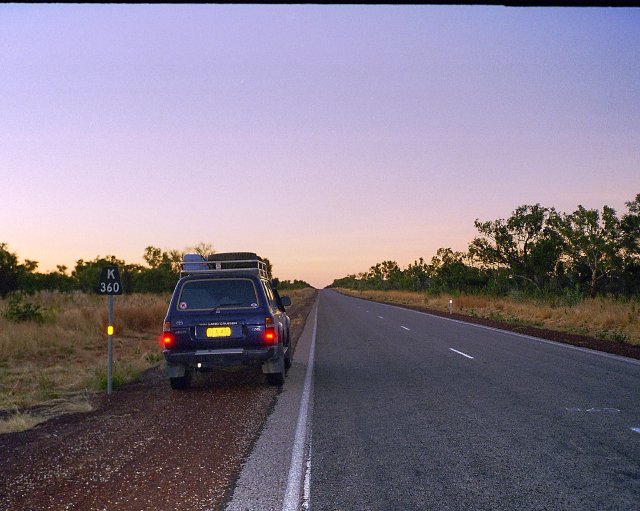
(193, 262)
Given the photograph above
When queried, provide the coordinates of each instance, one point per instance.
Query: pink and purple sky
(326, 138)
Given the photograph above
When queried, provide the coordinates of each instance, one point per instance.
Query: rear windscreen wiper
(215, 309)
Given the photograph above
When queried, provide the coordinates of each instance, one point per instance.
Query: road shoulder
(265, 478)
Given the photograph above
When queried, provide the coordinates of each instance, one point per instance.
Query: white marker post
(450, 306)
(110, 285)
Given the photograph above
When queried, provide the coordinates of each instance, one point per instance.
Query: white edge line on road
(292, 493)
(408, 329)
(463, 354)
(306, 495)
(635, 430)
(611, 356)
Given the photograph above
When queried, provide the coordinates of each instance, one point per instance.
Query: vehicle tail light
(168, 339)
(270, 332)
(270, 335)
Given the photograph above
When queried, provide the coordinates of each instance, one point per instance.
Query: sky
(326, 138)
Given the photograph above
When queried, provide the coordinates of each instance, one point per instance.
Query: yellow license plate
(219, 331)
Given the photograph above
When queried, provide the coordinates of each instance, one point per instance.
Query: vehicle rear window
(217, 294)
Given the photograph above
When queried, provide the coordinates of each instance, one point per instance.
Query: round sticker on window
(183, 305)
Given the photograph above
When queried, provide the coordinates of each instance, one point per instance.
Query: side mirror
(286, 301)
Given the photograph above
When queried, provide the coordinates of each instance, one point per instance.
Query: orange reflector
(110, 330)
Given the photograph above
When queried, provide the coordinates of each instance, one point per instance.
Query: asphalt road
(412, 411)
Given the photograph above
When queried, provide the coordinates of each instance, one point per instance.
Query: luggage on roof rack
(230, 261)
(192, 262)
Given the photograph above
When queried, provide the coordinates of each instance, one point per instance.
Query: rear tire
(182, 382)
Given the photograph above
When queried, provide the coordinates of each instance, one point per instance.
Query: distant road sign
(109, 283)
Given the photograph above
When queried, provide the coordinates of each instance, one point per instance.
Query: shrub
(18, 310)
(121, 374)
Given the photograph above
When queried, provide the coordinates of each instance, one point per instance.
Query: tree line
(159, 275)
(537, 250)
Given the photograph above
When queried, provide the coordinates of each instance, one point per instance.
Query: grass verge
(45, 365)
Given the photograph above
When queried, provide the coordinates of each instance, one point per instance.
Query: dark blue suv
(224, 311)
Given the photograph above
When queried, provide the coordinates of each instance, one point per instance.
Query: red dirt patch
(145, 447)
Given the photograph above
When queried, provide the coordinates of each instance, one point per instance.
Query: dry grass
(301, 303)
(19, 421)
(67, 352)
(56, 365)
(603, 318)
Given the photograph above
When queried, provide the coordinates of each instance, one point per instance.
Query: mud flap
(275, 364)
(174, 371)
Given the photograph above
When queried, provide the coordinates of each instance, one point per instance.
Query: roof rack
(227, 262)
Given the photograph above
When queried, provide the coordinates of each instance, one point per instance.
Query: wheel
(182, 382)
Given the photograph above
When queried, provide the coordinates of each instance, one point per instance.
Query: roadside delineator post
(450, 306)
(109, 284)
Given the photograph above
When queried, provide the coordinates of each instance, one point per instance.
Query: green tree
(10, 271)
(452, 271)
(592, 241)
(153, 256)
(630, 226)
(269, 267)
(87, 273)
(55, 280)
(202, 248)
(526, 244)
(174, 258)
(162, 274)
(288, 284)
(384, 275)
(417, 276)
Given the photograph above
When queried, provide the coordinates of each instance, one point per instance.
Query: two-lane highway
(404, 418)
(412, 411)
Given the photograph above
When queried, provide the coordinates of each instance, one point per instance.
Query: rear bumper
(220, 357)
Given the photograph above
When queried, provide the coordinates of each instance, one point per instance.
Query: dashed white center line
(380, 317)
(405, 328)
(460, 353)
(635, 430)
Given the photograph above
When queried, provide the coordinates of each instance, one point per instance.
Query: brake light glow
(270, 332)
(168, 339)
(270, 335)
